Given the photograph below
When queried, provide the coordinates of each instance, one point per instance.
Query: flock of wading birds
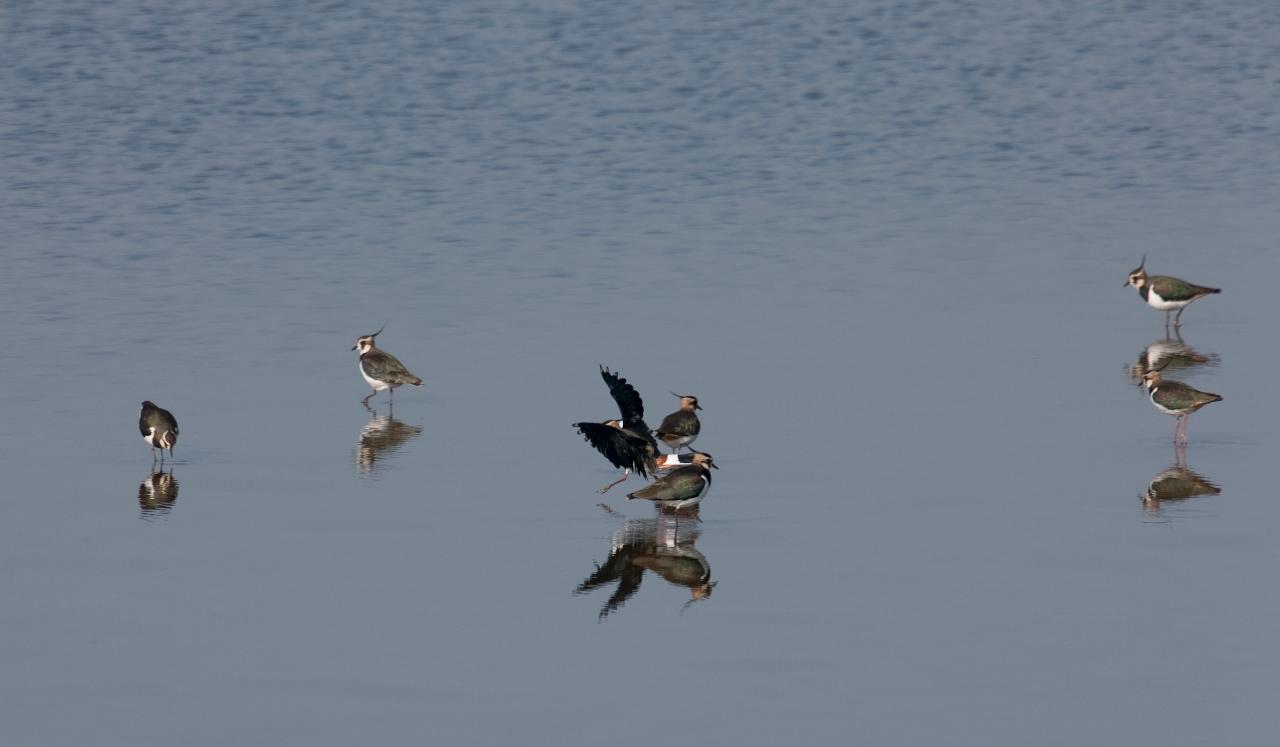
(682, 481)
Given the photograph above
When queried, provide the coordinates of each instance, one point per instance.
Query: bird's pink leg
(605, 489)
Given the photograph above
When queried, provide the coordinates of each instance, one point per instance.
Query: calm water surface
(883, 242)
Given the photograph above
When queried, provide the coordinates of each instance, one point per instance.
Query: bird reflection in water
(663, 545)
(157, 494)
(1169, 354)
(1176, 483)
(380, 438)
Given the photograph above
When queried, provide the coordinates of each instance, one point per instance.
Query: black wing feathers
(623, 449)
(628, 399)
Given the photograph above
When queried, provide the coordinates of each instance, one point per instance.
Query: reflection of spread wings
(628, 399)
(628, 585)
(619, 567)
(623, 449)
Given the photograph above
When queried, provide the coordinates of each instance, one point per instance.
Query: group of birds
(681, 481)
(627, 442)
(380, 369)
(1169, 294)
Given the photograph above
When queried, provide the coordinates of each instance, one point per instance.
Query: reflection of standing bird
(1167, 293)
(382, 437)
(381, 369)
(159, 429)
(684, 487)
(646, 545)
(1169, 354)
(157, 493)
(1178, 484)
(680, 428)
(1176, 399)
(627, 443)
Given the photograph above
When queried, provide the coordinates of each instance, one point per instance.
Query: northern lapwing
(159, 429)
(683, 487)
(381, 369)
(648, 545)
(680, 428)
(1167, 293)
(1176, 399)
(627, 443)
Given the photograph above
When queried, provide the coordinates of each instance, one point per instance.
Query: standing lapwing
(159, 429)
(627, 443)
(683, 487)
(1176, 399)
(680, 428)
(1167, 293)
(381, 369)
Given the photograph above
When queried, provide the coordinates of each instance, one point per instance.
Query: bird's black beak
(715, 466)
(353, 347)
(697, 406)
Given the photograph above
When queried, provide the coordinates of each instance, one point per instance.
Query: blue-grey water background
(882, 240)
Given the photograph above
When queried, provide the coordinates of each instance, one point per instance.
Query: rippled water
(883, 243)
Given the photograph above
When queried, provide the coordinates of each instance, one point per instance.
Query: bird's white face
(1138, 278)
(364, 344)
(1151, 379)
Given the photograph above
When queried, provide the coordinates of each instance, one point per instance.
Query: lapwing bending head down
(627, 442)
(1176, 399)
(159, 429)
(680, 428)
(1167, 293)
(381, 369)
(682, 488)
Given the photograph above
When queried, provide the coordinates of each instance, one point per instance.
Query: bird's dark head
(704, 460)
(365, 343)
(1138, 277)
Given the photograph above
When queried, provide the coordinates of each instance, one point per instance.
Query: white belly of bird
(1157, 302)
(377, 385)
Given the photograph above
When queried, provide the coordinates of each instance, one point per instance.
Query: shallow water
(883, 243)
